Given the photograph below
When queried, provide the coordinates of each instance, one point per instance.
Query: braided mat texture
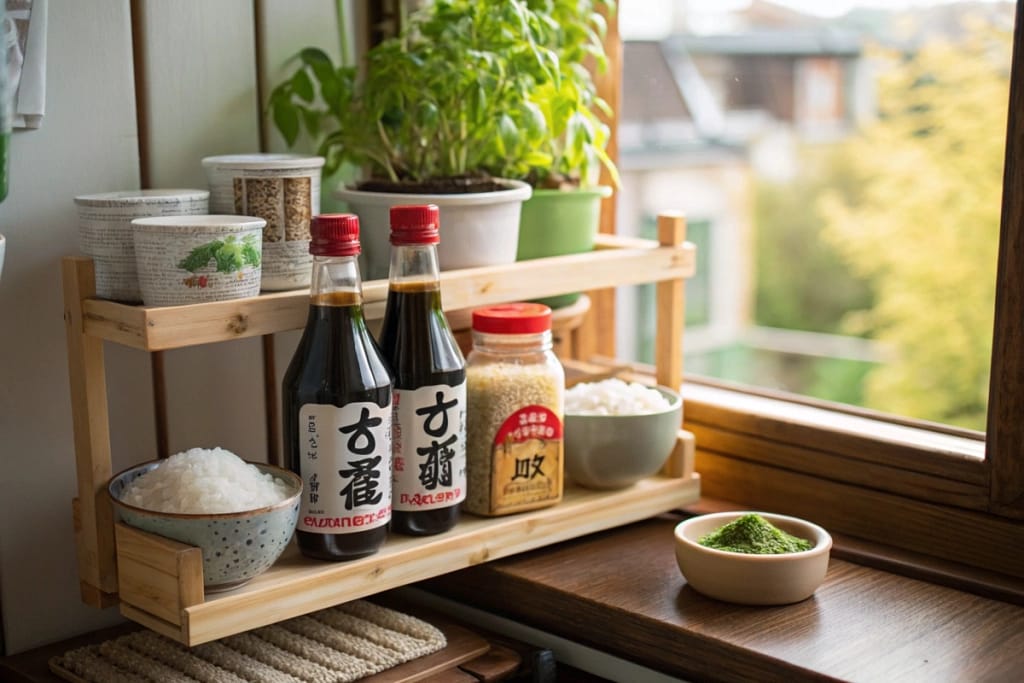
(342, 643)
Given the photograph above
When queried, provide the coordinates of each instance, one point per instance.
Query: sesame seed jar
(515, 389)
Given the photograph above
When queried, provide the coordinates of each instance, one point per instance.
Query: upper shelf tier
(615, 261)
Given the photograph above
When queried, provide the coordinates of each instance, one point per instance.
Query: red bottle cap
(415, 224)
(334, 234)
(512, 319)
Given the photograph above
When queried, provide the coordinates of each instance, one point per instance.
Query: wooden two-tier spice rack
(159, 582)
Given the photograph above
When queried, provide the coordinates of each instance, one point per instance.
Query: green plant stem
(346, 57)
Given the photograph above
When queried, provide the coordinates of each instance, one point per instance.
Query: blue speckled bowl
(236, 545)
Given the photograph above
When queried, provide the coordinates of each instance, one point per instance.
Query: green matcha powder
(754, 535)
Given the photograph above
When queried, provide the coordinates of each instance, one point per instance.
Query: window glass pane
(841, 163)
(698, 294)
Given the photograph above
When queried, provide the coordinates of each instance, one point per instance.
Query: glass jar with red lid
(515, 389)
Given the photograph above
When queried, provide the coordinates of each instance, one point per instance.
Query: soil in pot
(455, 185)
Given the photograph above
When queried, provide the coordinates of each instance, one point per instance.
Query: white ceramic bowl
(615, 451)
(194, 259)
(236, 545)
(284, 190)
(477, 229)
(752, 579)
(105, 232)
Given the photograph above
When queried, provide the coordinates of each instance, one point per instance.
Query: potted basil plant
(432, 118)
(474, 102)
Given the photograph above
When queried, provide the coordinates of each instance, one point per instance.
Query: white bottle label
(345, 456)
(429, 447)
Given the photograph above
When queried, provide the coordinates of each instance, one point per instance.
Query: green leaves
(286, 118)
(228, 255)
(472, 87)
(309, 98)
(200, 256)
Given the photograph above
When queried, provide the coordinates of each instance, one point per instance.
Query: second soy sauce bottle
(337, 407)
(429, 423)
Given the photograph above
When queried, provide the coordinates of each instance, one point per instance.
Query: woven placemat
(342, 643)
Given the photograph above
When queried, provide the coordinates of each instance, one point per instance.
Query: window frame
(863, 473)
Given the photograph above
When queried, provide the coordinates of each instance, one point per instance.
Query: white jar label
(345, 456)
(429, 447)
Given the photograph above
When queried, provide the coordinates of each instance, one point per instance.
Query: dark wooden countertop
(621, 592)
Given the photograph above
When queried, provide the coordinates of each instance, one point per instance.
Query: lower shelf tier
(160, 581)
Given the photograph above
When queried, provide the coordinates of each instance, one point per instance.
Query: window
(851, 468)
(853, 165)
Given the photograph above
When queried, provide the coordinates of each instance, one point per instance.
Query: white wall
(199, 87)
(87, 143)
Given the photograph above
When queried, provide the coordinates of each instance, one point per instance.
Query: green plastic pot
(557, 223)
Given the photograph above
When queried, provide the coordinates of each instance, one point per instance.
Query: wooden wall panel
(283, 28)
(197, 80)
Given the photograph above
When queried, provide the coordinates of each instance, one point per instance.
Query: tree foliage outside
(803, 282)
(923, 225)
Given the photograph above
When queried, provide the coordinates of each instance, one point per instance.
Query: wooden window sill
(621, 592)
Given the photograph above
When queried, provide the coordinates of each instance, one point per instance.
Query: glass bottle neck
(414, 263)
(334, 274)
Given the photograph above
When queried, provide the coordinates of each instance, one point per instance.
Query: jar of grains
(515, 390)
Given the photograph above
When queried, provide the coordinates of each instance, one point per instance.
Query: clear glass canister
(515, 391)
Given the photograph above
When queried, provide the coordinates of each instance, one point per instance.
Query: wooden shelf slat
(297, 585)
(615, 261)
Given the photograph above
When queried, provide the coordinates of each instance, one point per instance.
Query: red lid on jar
(415, 224)
(520, 318)
(334, 234)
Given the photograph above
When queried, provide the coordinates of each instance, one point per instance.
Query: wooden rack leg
(94, 523)
(671, 309)
(668, 337)
(156, 368)
(271, 402)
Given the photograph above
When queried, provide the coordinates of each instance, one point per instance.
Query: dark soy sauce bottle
(429, 423)
(337, 407)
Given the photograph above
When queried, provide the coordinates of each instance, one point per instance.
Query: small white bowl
(616, 451)
(169, 254)
(752, 579)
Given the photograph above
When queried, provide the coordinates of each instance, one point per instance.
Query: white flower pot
(477, 229)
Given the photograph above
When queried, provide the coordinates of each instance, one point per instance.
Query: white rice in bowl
(205, 481)
(614, 397)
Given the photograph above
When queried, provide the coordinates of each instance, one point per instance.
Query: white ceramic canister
(282, 189)
(193, 259)
(105, 232)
